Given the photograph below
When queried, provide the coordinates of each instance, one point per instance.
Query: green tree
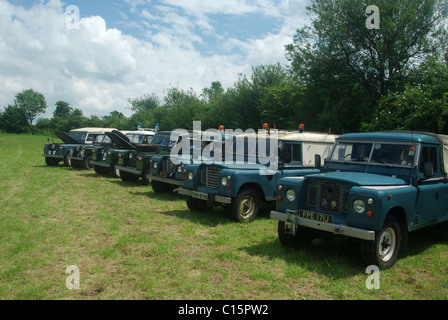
(13, 120)
(422, 105)
(116, 120)
(32, 103)
(63, 110)
(145, 111)
(343, 60)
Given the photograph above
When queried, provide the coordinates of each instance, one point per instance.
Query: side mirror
(317, 161)
(428, 169)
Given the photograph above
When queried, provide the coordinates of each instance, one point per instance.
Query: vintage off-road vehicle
(165, 175)
(240, 186)
(134, 164)
(57, 152)
(376, 188)
(81, 156)
(105, 159)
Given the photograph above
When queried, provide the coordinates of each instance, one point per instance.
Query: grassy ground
(130, 243)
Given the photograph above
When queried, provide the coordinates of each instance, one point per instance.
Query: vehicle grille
(168, 166)
(132, 162)
(328, 197)
(210, 177)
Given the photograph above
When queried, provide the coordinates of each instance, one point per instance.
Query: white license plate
(316, 216)
(199, 195)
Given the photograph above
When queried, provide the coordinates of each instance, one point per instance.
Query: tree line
(341, 75)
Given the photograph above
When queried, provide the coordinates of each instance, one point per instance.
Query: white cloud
(97, 69)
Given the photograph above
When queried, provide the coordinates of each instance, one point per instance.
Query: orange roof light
(265, 125)
(301, 127)
(221, 127)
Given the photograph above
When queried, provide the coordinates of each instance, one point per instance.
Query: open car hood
(66, 138)
(121, 140)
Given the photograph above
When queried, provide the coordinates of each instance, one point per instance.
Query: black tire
(198, 205)
(75, 163)
(145, 180)
(101, 170)
(384, 250)
(114, 172)
(67, 160)
(128, 177)
(86, 163)
(303, 238)
(51, 161)
(161, 187)
(246, 206)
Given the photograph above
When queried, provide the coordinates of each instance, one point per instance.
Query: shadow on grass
(339, 257)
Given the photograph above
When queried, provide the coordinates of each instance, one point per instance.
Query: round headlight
(190, 176)
(155, 165)
(179, 169)
(224, 181)
(359, 206)
(290, 195)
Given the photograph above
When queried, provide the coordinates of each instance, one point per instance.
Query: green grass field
(130, 243)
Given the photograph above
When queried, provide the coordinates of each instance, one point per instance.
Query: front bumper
(129, 169)
(205, 196)
(100, 164)
(293, 217)
(165, 180)
(53, 156)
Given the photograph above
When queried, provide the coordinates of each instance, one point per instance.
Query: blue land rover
(57, 152)
(244, 186)
(376, 187)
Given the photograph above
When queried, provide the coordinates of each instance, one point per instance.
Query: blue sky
(125, 49)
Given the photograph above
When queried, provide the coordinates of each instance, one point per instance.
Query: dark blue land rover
(376, 187)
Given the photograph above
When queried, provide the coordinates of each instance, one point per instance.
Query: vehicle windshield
(375, 152)
(140, 138)
(99, 138)
(79, 135)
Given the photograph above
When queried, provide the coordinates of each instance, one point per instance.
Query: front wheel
(114, 172)
(246, 205)
(68, 160)
(86, 163)
(301, 239)
(198, 205)
(384, 250)
(128, 177)
(161, 187)
(51, 161)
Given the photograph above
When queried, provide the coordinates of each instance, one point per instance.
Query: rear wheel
(384, 250)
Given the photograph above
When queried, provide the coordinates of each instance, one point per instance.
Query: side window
(291, 152)
(429, 154)
(91, 137)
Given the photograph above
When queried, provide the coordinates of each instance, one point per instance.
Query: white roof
(286, 135)
(142, 132)
(94, 130)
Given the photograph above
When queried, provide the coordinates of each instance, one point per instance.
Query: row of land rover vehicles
(374, 188)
